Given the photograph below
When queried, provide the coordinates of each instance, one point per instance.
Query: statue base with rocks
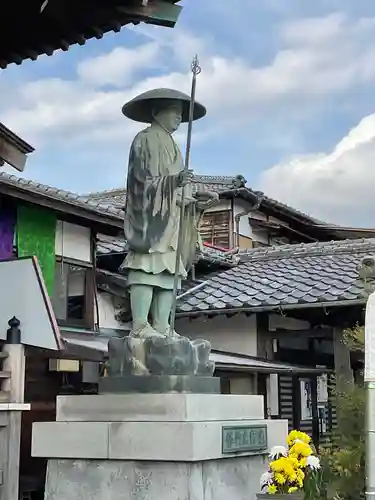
(159, 364)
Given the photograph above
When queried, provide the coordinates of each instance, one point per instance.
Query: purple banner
(7, 225)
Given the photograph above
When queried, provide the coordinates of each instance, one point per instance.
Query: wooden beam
(316, 333)
(343, 369)
(155, 12)
(264, 350)
(10, 154)
(264, 337)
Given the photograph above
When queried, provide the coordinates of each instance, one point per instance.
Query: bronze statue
(156, 175)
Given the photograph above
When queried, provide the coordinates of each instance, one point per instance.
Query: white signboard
(306, 399)
(23, 294)
(370, 339)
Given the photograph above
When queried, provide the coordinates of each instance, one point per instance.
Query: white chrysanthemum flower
(313, 462)
(278, 451)
(266, 479)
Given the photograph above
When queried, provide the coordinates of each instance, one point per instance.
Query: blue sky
(288, 86)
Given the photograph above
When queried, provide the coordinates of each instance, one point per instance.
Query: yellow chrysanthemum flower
(300, 474)
(272, 489)
(293, 477)
(294, 461)
(305, 438)
(297, 435)
(292, 489)
(292, 436)
(280, 478)
(276, 465)
(287, 471)
(300, 449)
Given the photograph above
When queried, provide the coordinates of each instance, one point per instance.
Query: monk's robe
(152, 211)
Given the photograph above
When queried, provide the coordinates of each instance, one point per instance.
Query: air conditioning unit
(64, 365)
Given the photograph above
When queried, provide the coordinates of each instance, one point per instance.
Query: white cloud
(118, 67)
(232, 89)
(337, 186)
(317, 58)
(314, 30)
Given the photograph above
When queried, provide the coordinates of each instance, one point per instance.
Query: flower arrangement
(290, 465)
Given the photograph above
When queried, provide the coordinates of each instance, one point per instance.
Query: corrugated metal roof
(287, 276)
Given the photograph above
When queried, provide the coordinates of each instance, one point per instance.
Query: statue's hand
(206, 196)
(184, 177)
(206, 200)
(187, 201)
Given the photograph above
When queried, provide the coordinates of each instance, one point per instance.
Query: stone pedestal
(159, 384)
(156, 447)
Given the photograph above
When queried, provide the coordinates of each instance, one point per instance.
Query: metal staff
(195, 69)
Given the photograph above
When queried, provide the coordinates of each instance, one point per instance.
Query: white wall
(235, 334)
(73, 241)
(245, 228)
(243, 385)
(239, 207)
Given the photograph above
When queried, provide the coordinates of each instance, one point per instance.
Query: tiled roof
(107, 245)
(216, 256)
(67, 197)
(287, 277)
(116, 197)
(236, 185)
(15, 140)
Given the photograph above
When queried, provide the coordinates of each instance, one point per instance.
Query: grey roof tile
(220, 184)
(285, 276)
(111, 245)
(60, 195)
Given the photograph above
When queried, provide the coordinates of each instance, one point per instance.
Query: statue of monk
(156, 176)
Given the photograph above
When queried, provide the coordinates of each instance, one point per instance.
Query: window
(215, 228)
(73, 297)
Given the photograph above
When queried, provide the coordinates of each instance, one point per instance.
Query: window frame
(88, 320)
(209, 228)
